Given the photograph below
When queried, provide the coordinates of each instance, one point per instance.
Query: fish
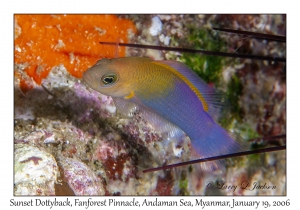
(170, 95)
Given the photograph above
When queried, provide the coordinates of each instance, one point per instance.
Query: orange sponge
(45, 41)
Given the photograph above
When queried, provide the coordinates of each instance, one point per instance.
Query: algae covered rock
(35, 171)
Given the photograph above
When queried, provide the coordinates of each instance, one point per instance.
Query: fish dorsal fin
(215, 99)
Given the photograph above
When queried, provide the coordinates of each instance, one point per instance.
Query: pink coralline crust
(70, 151)
(33, 137)
(139, 128)
(151, 137)
(114, 166)
(132, 130)
(81, 179)
(89, 96)
(80, 186)
(165, 185)
(80, 134)
(280, 94)
(103, 151)
(93, 99)
(113, 156)
(39, 191)
(34, 159)
(266, 104)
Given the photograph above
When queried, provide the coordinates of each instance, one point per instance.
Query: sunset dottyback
(170, 96)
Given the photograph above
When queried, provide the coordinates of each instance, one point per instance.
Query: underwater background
(70, 140)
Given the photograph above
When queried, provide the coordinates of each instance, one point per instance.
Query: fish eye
(109, 79)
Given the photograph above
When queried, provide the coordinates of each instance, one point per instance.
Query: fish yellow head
(113, 77)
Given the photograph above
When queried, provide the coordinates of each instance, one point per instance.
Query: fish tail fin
(214, 142)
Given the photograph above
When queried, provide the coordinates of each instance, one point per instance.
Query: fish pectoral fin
(130, 95)
(168, 130)
(125, 107)
(128, 107)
